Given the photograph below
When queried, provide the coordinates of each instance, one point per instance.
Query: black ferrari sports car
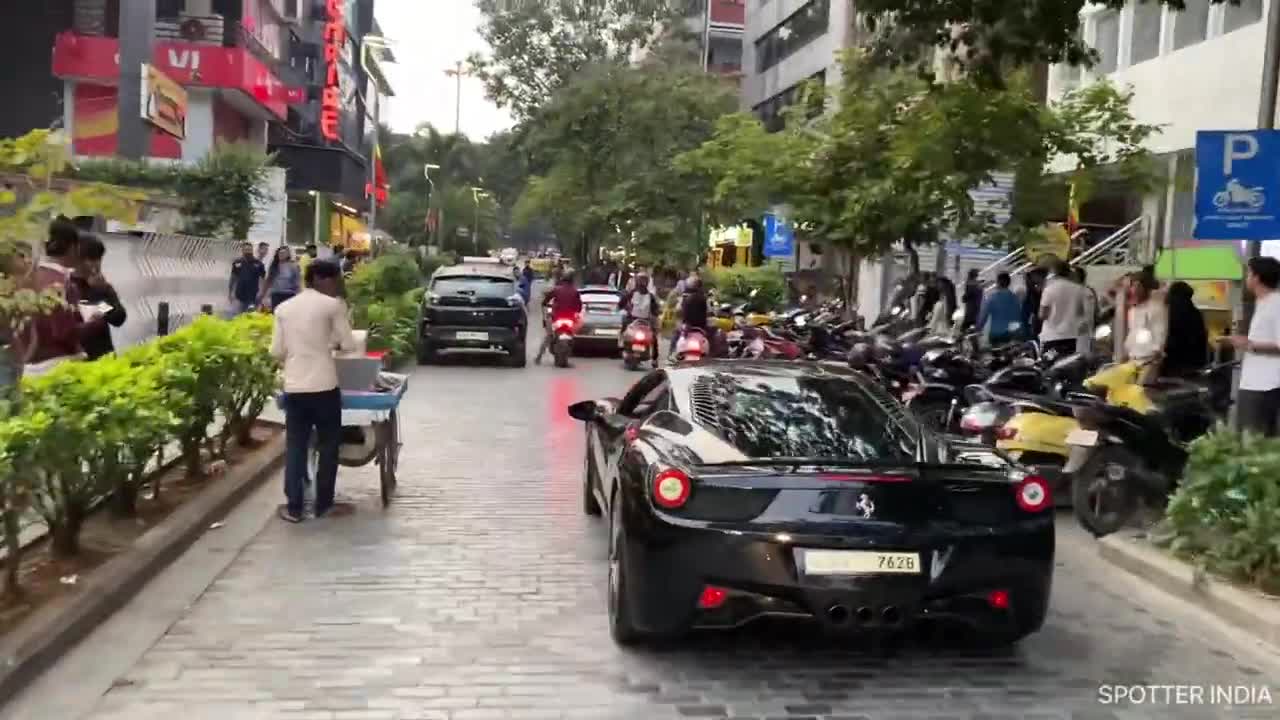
(740, 490)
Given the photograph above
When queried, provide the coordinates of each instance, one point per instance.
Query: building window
(770, 111)
(1146, 32)
(1191, 25)
(1106, 41)
(1246, 13)
(797, 31)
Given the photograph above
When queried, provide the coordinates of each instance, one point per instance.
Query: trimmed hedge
(86, 430)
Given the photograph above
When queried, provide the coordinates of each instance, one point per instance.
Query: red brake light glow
(998, 599)
(640, 336)
(671, 489)
(563, 324)
(712, 597)
(1033, 494)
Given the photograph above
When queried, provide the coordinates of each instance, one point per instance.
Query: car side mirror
(586, 411)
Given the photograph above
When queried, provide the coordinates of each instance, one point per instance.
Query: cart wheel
(388, 456)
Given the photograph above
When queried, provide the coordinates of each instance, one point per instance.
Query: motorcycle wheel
(1100, 502)
(562, 354)
(630, 362)
(933, 414)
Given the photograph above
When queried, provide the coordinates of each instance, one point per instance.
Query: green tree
(895, 162)
(986, 37)
(538, 47)
(602, 151)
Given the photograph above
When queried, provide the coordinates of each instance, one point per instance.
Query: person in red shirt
(58, 332)
(565, 302)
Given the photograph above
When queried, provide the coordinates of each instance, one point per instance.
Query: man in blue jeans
(308, 328)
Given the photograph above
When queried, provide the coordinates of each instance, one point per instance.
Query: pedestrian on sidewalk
(1061, 310)
(1258, 402)
(247, 273)
(307, 330)
(1002, 311)
(95, 334)
(57, 331)
(972, 299)
(284, 279)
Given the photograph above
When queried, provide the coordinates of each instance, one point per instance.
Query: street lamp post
(458, 73)
(381, 44)
(476, 194)
(431, 191)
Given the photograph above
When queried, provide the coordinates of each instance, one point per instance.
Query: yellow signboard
(1211, 293)
(1052, 239)
(347, 232)
(164, 102)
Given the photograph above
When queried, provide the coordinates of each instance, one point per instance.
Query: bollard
(206, 309)
(162, 319)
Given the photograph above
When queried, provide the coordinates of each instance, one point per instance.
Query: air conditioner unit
(199, 29)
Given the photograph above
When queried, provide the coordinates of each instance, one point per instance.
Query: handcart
(370, 432)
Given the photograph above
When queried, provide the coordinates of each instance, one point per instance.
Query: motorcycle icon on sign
(1237, 197)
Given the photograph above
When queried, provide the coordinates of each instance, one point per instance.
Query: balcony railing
(91, 17)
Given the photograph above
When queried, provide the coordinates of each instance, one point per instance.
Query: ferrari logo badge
(865, 507)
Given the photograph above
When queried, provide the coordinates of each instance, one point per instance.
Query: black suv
(470, 308)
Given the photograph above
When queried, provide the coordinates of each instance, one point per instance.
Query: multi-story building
(1196, 69)
(254, 71)
(720, 26)
(787, 43)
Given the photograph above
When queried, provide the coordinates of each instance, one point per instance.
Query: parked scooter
(1131, 449)
(637, 344)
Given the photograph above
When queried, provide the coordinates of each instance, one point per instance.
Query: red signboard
(335, 37)
(95, 58)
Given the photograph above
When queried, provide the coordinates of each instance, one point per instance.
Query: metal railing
(1116, 249)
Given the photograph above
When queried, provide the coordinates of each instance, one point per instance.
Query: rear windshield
(474, 286)
(788, 417)
(598, 298)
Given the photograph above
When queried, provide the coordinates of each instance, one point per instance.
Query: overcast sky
(430, 37)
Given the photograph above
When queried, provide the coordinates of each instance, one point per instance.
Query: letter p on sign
(1238, 147)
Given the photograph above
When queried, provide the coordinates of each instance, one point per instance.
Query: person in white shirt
(1062, 308)
(1258, 401)
(308, 328)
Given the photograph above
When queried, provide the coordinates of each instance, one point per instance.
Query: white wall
(199, 140)
(818, 55)
(1211, 85)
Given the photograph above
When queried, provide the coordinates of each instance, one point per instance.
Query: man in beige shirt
(308, 328)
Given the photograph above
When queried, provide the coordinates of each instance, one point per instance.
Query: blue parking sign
(1237, 185)
(779, 240)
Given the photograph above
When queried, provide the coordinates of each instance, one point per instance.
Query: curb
(38, 642)
(1246, 609)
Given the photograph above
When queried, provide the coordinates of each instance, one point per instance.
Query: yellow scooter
(1036, 436)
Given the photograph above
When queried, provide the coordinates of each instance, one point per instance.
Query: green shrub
(88, 429)
(385, 296)
(734, 285)
(1225, 514)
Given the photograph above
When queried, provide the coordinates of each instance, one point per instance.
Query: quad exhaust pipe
(841, 615)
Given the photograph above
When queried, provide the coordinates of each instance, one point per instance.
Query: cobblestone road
(479, 594)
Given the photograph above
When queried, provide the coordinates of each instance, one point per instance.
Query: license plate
(1082, 438)
(860, 562)
(473, 336)
(638, 347)
(605, 332)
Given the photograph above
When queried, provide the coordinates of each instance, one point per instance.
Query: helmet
(861, 356)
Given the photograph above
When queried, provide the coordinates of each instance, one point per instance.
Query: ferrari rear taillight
(1032, 494)
(671, 489)
(998, 599)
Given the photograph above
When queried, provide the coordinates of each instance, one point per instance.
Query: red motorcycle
(762, 344)
(637, 344)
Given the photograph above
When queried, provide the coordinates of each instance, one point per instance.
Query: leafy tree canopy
(602, 149)
(537, 47)
(896, 159)
(987, 36)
